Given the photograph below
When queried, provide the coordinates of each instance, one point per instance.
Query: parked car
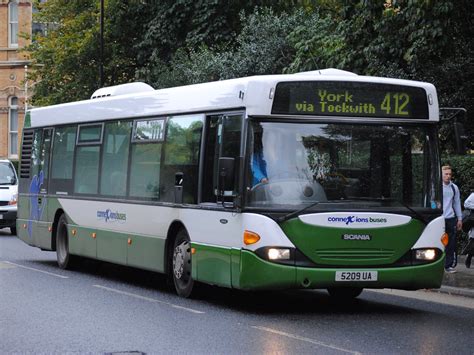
(8, 195)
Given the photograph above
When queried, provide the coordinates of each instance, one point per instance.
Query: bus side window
(181, 155)
(87, 158)
(36, 153)
(145, 166)
(64, 143)
(113, 177)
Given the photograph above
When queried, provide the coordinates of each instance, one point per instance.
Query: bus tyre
(65, 260)
(345, 293)
(181, 264)
(13, 230)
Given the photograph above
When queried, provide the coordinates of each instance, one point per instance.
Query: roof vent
(123, 89)
(330, 71)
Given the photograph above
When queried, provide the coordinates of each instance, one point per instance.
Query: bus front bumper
(256, 273)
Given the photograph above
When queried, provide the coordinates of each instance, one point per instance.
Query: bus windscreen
(350, 99)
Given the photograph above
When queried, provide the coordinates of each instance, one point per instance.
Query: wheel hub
(181, 258)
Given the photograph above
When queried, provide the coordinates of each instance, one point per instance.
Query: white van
(8, 195)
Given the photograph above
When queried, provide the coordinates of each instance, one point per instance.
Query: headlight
(12, 201)
(278, 254)
(425, 254)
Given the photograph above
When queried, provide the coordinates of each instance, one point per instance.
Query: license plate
(1, 216)
(356, 275)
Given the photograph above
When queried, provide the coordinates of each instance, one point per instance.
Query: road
(103, 308)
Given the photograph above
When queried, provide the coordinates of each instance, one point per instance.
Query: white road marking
(308, 340)
(37, 270)
(429, 296)
(4, 265)
(148, 299)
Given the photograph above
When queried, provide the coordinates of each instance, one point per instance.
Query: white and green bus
(316, 180)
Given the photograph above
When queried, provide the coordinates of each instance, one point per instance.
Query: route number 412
(398, 102)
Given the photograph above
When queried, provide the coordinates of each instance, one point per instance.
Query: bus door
(223, 139)
(39, 188)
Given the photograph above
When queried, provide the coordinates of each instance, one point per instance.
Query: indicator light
(445, 239)
(250, 237)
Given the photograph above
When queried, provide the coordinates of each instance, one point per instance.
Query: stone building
(15, 21)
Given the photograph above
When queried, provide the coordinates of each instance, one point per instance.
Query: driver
(258, 163)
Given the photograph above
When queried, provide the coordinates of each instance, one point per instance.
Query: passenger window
(36, 153)
(182, 147)
(64, 142)
(113, 180)
(86, 176)
(145, 170)
(149, 130)
(90, 134)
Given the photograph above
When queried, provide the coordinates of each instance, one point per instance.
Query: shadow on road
(293, 302)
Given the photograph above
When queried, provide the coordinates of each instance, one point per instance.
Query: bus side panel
(81, 241)
(146, 252)
(127, 234)
(23, 222)
(213, 264)
(256, 273)
(111, 246)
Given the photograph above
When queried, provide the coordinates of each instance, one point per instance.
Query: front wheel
(345, 293)
(65, 260)
(13, 230)
(181, 265)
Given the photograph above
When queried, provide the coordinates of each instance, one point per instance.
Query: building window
(13, 127)
(13, 24)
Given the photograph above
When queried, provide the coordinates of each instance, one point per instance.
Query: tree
(261, 47)
(66, 57)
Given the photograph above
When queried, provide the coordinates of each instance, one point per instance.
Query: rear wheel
(345, 293)
(181, 264)
(65, 260)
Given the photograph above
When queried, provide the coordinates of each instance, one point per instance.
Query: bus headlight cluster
(278, 254)
(425, 254)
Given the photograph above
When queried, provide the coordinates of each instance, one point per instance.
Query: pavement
(461, 283)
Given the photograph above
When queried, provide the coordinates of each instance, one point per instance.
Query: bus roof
(254, 93)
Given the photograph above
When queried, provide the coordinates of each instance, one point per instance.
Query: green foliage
(260, 48)
(318, 42)
(66, 59)
(463, 172)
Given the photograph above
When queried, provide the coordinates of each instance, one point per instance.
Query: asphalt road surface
(103, 308)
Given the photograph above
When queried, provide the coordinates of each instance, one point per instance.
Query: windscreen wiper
(383, 199)
(295, 213)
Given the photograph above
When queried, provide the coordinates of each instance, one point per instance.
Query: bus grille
(355, 255)
(26, 148)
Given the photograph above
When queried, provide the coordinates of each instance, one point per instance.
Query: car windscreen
(7, 174)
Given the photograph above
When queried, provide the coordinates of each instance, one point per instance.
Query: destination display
(350, 99)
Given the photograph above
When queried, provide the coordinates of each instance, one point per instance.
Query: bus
(315, 180)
